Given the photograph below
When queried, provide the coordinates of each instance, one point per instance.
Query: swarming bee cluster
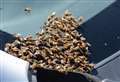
(59, 46)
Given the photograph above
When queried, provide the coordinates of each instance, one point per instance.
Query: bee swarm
(59, 46)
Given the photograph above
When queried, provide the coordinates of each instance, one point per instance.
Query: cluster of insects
(59, 46)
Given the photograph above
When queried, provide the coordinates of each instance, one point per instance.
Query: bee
(28, 10)
(67, 13)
